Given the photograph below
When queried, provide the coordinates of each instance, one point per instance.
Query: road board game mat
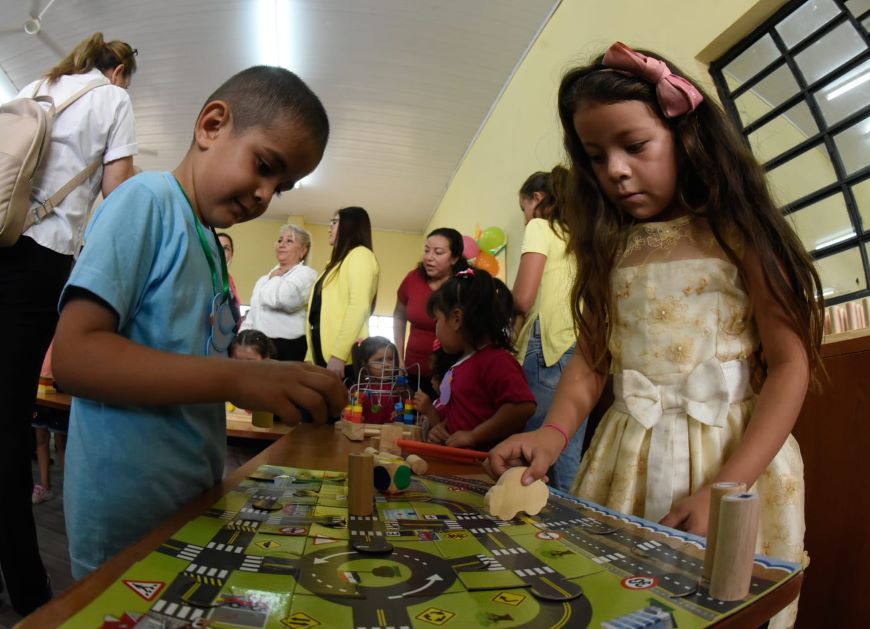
(279, 551)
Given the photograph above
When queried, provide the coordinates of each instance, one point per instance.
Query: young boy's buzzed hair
(261, 95)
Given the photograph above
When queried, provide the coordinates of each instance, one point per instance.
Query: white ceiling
(406, 83)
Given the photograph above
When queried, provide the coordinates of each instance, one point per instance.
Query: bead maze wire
(383, 393)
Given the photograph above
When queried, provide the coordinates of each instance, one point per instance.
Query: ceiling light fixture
(850, 85)
(273, 26)
(827, 242)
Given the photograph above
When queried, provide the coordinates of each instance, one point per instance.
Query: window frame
(824, 137)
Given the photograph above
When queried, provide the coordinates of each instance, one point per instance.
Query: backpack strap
(41, 211)
(87, 88)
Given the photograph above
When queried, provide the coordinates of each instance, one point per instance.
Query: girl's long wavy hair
(718, 178)
(95, 52)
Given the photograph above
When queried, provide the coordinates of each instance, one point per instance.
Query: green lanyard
(207, 250)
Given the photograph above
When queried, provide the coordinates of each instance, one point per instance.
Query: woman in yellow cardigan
(344, 294)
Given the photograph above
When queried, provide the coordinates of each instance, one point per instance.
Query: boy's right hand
(283, 387)
(538, 449)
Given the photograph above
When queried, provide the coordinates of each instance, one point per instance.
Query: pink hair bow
(469, 272)
(676, 95)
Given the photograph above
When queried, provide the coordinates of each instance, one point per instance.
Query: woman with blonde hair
(96, 130)
(280, 297)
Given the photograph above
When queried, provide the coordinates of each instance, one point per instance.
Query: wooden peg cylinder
(418, 464)
(717, 491)
(735, 548)
(360, 484)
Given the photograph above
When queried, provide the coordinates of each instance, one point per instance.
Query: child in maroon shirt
(484, 396)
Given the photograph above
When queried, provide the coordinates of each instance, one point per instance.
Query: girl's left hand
(461, 439)
(691, 513)
(336, 366)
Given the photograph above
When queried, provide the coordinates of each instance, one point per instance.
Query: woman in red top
(442, 259)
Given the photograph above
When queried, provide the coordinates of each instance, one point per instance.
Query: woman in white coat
(280, 298)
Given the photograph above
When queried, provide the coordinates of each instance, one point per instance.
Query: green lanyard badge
(224, 317)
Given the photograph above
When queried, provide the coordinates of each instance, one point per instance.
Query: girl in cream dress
(691, 287)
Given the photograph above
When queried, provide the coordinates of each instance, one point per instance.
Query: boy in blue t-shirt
(146, 316)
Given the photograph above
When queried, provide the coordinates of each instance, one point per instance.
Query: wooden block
(717, 491)
(735, 547)
(509, 496)
(392, 477)
(354, 432)
(418, 464)
(360, 484)
(376, 443)
(390, 434)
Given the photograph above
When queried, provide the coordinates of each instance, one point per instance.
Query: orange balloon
(486, 261)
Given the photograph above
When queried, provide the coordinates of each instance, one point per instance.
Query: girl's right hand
(284, 387)
(538, 449)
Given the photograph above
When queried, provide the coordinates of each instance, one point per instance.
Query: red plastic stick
(432, 449)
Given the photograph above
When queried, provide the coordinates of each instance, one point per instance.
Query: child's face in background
(633, 156)
(448, 329)
(237, 174)
(382, 362)
(245, 352)
(227, 247)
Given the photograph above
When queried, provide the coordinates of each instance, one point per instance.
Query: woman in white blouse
(280, 298)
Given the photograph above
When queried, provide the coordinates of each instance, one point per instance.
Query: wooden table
(238, 422)
(317, 447)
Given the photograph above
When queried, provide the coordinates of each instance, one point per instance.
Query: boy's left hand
(691, 513)
(461, 439)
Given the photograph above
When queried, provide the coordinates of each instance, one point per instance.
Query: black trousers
(31, 279)
(291, 349)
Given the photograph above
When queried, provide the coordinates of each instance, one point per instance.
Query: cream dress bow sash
(704, 394)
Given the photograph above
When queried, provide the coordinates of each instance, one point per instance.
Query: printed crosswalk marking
(170, 609)
(159, 605)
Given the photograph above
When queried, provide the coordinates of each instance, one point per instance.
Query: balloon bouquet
(481, 251)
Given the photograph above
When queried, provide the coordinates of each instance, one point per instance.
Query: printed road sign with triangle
(146, 589)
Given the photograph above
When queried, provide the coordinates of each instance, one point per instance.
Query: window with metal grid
(799, 89)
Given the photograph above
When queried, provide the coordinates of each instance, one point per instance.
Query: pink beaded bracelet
(561, 431)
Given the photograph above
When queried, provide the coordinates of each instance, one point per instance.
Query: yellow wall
(523, 134)
(397, 253)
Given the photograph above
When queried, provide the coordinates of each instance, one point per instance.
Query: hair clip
(469, 272)
(135, 52)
